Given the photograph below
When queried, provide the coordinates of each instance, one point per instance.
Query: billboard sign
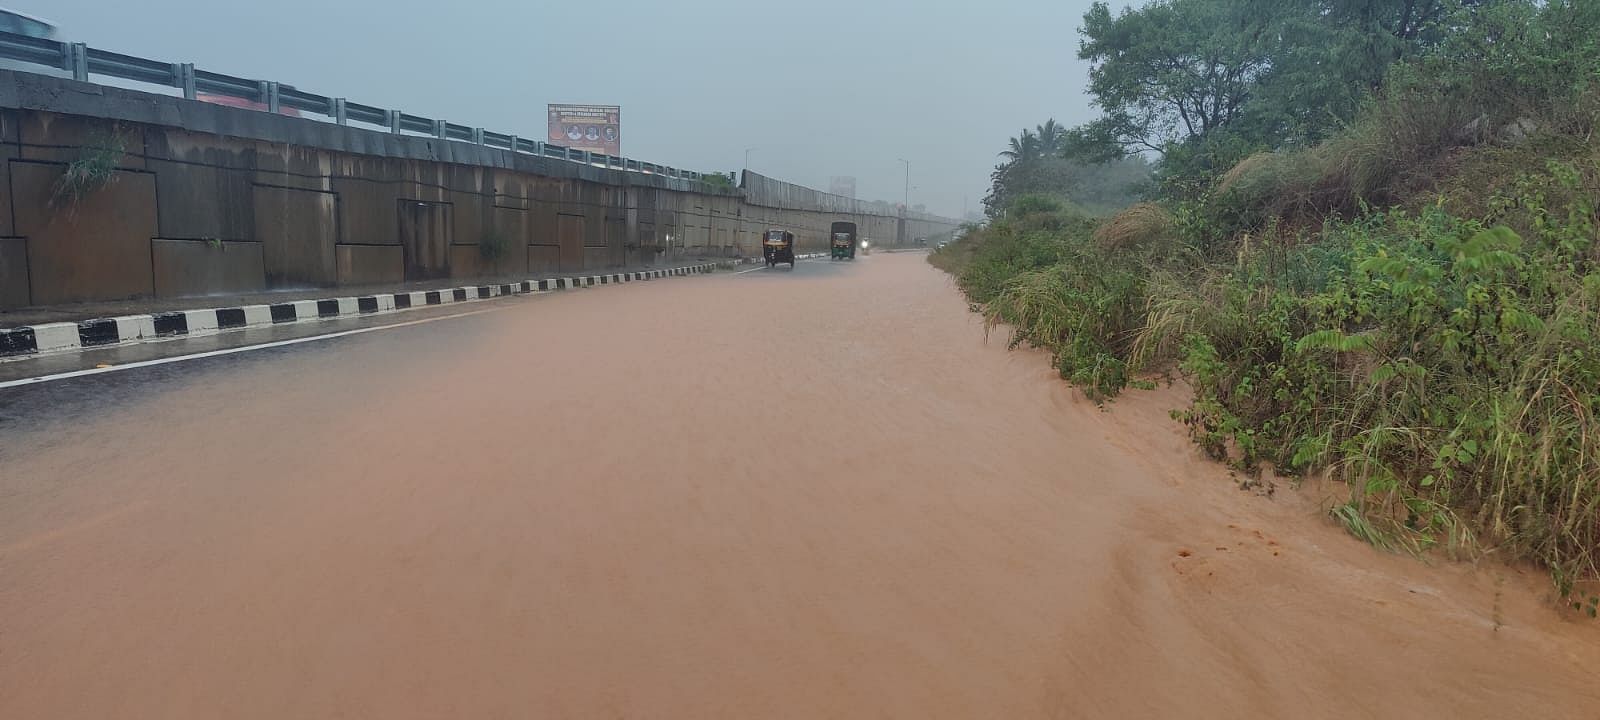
(595, 128)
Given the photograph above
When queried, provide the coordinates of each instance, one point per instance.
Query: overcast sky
(818, 87)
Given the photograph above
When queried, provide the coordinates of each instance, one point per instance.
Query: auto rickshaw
(844, 241)
(778, 247)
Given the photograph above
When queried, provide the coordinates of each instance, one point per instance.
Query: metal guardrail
(83, 61)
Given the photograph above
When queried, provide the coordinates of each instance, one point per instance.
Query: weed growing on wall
(94, 168)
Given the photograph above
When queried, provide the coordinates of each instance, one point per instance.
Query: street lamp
(747, 157)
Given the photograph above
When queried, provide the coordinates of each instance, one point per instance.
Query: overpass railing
(82, 61)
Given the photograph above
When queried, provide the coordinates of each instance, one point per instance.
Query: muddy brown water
(818, 494)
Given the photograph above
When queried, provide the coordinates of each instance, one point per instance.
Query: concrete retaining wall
(881, 222)
(193, 198)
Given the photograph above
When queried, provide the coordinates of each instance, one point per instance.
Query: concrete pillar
(78, 61)
(186, 80)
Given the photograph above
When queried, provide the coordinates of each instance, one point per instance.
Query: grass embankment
(1412, 306)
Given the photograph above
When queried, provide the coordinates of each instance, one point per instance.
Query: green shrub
(1412, 305)
(1445, 370)
(1009, 248)
(1444, 367)
(1036, 205)
(1083, 309)
(719, 180)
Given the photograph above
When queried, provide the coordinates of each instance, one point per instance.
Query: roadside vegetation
(94, 167)
(1365, 235)
(720, 180)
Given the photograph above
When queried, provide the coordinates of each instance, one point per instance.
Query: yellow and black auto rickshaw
(844, 241)
(778, 247)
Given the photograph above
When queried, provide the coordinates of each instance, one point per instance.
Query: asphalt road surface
(810, 493)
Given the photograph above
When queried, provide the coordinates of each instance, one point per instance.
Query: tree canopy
(1201, 84)
(1039, 162)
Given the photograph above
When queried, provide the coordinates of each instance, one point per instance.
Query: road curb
(62, 337)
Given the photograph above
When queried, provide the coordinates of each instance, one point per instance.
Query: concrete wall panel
(94, 248)
(9, 121)
(570, 235)
(511, 227)
(542, 225)
(65, 138)
(426, 231)
(370, 264)
(204, 185)
(13, 272)
(297, 230)
(430, 180)
(616, 241)
(368, 211)
(8, 152)
(544, 259)
(293, 166)
(197, 267)
(472, 215)
(465, 261)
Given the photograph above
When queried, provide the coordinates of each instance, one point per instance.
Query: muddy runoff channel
(807, 494)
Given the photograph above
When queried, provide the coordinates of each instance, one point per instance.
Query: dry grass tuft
(1141, 224)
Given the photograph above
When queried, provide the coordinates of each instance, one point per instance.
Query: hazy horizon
(842, 89)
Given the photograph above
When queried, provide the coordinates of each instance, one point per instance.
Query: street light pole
(747, 157)
(902, 233)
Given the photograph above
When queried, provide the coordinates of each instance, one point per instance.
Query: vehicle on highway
(18, 23)
(778, 247)
(844, 241)
(12, 21)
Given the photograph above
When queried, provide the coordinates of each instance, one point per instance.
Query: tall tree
(1334, 53)
(1023, 148)
(1206, 82)
(1051, 138)
(1173, 71)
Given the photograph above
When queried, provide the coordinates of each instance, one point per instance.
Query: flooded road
(808, 494)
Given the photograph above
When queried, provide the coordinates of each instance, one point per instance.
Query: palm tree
(1022, 159)
(1024, 148)
(1043, 141)
(1051, 138)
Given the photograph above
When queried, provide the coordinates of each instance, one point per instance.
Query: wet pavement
(808, 493)
(18, 369)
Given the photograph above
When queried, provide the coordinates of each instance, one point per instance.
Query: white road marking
(231, 351)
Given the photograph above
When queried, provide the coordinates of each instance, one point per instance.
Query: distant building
(842, 185)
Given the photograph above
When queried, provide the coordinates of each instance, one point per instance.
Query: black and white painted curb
(104, 332)
(101, 332)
